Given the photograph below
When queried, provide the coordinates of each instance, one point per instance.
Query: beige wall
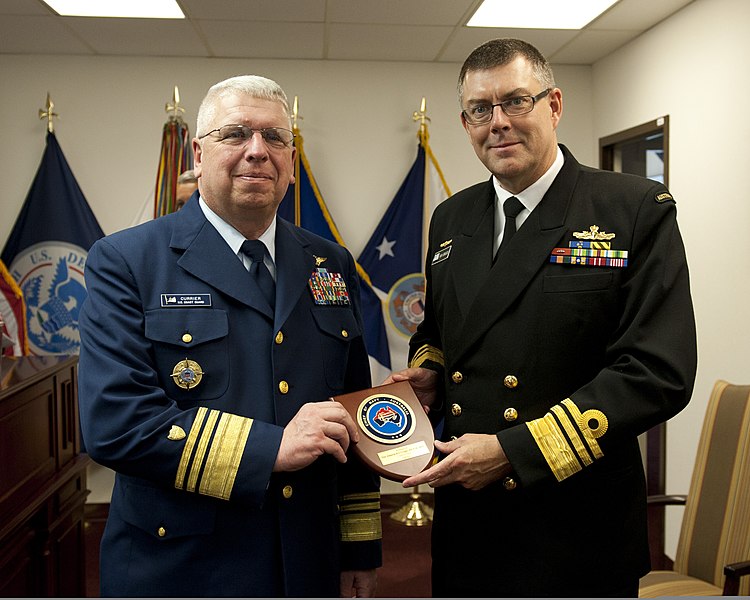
(693, 67)
(358, 128)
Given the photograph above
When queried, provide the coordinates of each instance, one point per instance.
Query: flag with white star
(394, 256)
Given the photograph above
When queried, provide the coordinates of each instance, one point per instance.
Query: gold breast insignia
(319, 260)
(593, 234)
(187, 374)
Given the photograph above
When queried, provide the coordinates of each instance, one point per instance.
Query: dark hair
(501, 51)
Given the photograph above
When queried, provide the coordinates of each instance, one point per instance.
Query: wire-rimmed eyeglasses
(481, 113)
(237, 135)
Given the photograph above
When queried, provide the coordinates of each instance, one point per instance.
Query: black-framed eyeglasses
(237, 135)
(481, 113)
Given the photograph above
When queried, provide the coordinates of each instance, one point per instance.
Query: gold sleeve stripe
(554, 447)
(360, 496)
(578, 444)
(590, 435)
(361, 507)
(200, 453)
(187, 451)
(426, 353)
(225, 455)
(361, 527)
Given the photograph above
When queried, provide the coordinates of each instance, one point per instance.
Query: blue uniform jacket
(196, 510)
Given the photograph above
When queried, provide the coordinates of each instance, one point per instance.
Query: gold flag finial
(421, 116)
(295, 115)
(174, 106)
(49, 114)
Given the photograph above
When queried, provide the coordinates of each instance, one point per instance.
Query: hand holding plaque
(396, 437)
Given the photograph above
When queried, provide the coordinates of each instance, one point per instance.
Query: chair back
(716, 522)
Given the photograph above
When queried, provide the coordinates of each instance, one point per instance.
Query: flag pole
(298, 142)
(416, 513)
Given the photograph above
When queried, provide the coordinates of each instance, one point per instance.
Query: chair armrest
(733, 572)
(668, 499)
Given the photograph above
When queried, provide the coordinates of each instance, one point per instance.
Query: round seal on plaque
(386, 419)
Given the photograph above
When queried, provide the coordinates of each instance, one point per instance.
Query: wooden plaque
(395, 435)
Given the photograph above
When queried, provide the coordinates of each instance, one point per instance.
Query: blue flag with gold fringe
(393, 258)
(46, 254)
(304, 206)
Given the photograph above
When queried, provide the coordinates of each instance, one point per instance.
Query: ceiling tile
(467, 38)
(402, 12)
(139, 37)
(590, 46)
(264, 40)
(637, 14)
(38, 35)
(24, 7)
(385, 42)
(256, 10)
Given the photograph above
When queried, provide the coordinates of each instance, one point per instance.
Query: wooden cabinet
(42, 479)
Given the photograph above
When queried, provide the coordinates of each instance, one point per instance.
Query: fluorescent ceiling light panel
(540, 14)
(134, 9)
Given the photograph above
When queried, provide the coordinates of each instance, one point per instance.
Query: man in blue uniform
(558, 327)
(212, 339)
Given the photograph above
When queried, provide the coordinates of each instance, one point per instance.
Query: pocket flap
(186, 327)
(337, 322)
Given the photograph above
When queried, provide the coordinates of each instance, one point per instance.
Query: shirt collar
(532, 195)
(233, 237)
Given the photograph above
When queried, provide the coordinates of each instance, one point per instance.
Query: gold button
(510, 381)
(279, 337)
(283, 386)
(510, 414)
(509, 483)
(161, 532)
(344, 333)
(456, 410)
(187, 338)
(457, 377)
(287, 491)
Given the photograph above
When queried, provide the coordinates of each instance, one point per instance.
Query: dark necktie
(512, 207)
(256, 250)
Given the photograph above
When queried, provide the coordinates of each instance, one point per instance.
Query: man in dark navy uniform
(212, 339)
(558, 327)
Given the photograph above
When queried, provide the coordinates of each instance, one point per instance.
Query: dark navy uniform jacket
(196, 510)
(567, 363)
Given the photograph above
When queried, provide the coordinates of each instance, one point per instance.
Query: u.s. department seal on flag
(50, 275)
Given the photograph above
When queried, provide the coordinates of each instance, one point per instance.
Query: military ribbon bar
(591, 261)
(328, 288)
(589, 252)
(585, 244)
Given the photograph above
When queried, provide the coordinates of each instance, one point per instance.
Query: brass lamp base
(415, 513)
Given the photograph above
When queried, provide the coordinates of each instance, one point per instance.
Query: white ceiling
(379, 30)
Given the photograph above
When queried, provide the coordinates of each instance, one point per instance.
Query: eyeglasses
(238, 135)
(479, 114)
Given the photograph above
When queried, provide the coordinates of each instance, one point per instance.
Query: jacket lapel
(208, 257)
(527, 253)
(294, 265)
(473, 252)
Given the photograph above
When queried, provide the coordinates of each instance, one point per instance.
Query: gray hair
(502, 51)
(250, 85)
(187, 177)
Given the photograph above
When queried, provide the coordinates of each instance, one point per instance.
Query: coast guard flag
(12, 316)
(304, 206)
(46, 254)
(394, 256)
